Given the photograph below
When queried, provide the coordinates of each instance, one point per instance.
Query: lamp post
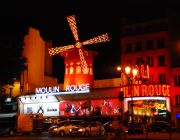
(121, 95)
(131, 75)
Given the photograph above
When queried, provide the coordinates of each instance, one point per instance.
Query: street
(44, 136)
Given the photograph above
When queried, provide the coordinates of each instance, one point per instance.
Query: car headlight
(80, 130)
(70, 129)
(55, 129)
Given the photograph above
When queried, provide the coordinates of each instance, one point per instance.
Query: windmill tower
(78, 61)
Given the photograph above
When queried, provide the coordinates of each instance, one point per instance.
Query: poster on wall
(105, 107)
(47, 109)
(74, 108)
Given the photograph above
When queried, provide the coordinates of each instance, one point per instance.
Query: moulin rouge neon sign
(146, 90)
(70, 89)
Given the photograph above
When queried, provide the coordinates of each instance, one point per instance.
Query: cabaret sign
(70, 89)
(80, 87)
(47, 90)
(146, 90)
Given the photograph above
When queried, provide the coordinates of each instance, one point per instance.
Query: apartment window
(139, 60)
(176, 80)
(161, 60)
(151, 78)
(161, 43)
(177, 97)
(138, 46)
(128, 47)
(129, 62)
(162, 78)
(150, 61)
(149, 44)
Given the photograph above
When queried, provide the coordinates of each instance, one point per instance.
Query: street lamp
(131, 75)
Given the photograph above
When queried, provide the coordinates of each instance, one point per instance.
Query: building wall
(175, 92)
(38, 62)
(114, 82)
(149, 31)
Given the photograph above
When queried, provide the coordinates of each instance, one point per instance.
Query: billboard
(105, 107)
(74, 108)
(47, 109)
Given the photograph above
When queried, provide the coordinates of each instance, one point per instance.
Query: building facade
(155, 97)
(150, 42)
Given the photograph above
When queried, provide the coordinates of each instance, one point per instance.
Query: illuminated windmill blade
(72, 23)
(98, 39)
(57, 50)
(83, 62)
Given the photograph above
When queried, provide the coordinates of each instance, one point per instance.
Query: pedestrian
(116, 127)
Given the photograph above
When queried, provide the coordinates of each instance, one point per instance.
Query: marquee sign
(80, 87)
(70, 89)
(47, 90)
(146, 90)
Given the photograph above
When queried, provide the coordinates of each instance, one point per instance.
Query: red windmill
(78, 61)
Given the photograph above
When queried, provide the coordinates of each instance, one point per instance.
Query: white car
(63, 127)
(88, 129)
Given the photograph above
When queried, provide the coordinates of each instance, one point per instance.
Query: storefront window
(149, 107)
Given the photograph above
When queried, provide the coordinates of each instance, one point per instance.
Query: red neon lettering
(144, 90)
(151, 90)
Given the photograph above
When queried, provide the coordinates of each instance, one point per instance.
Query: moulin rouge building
(154, 97)
(150, 41)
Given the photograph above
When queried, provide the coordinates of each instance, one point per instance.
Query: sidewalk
(157, 136)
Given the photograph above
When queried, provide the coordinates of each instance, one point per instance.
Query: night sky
(93, 18)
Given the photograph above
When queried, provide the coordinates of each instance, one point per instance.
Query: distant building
(39, 63)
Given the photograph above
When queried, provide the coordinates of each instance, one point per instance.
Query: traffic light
(121, 96)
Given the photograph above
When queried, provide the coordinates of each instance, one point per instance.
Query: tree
(12, 62)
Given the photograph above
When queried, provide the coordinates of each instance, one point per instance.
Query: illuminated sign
(47, 109)
(159, 106)
(80, 87)
(44, 90)
(146, 90)
(178, 116)
(70, 89)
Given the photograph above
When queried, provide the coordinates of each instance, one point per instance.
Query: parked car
(161, 126)
(63, 127)
(108, 127)
(8, 124)
(7, 130)
(135, 128)
(88, 128)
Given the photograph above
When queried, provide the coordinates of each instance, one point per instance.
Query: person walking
(116, 127)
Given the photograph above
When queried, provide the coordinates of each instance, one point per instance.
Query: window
(176, 80)
(177, 97)
(151, 78)
(161, 60)
(66, 71)
(161, 43)
(150, 61)
(71, 70)
(128, 48)
(138, 46)
(139, 60)
(149, 44)
(162, 78)
(129, 62)
(78, 70)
